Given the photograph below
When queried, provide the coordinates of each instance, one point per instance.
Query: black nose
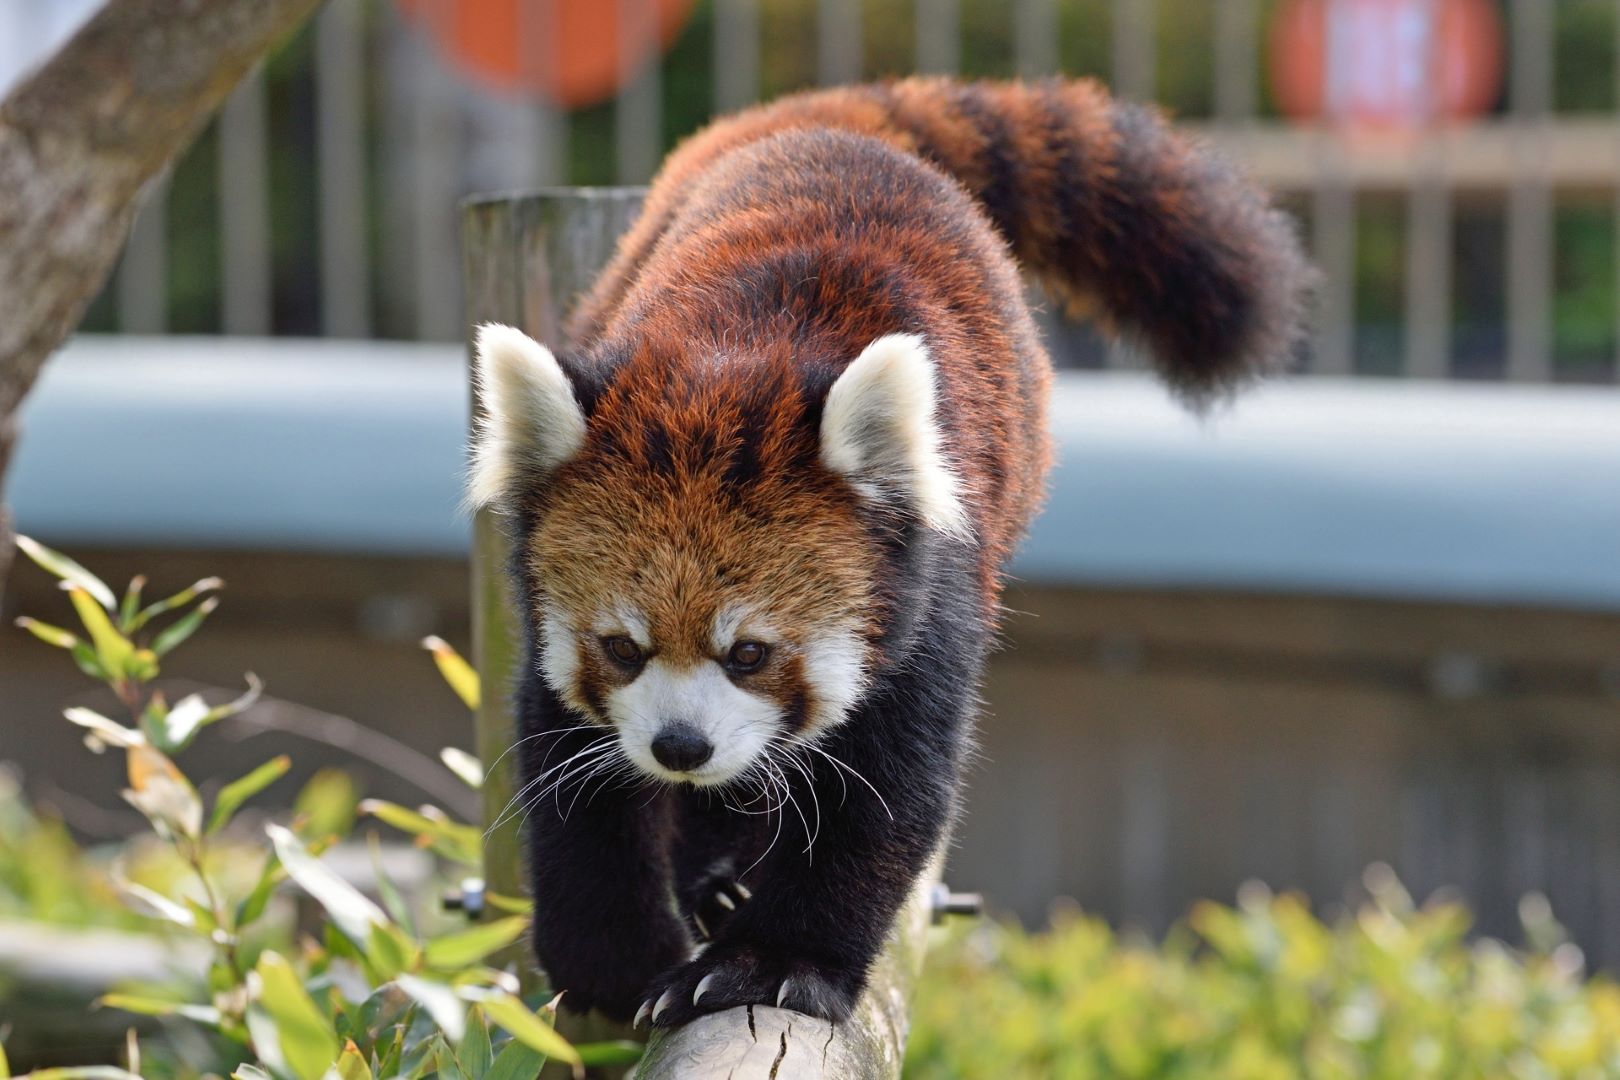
(681, 747)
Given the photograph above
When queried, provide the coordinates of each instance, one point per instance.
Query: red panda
(762, 499)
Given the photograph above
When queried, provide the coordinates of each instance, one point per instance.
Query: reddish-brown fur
(833, 205)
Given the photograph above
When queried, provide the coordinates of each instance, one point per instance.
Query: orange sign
(570, 51)
(1390, 64)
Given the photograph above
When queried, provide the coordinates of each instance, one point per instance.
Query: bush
(371, 994)
(1265, 990)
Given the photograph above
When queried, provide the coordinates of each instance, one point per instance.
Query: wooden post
(527, 258)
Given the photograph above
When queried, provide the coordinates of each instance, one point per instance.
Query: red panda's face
(705, 579)
(667, 603)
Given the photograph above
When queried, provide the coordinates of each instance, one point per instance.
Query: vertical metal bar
(1237, 61)
(1428, 275)
(736, 54)
(143, 276)
(1529, 224)
(1035, 37)
(246, 283)
(1133, 45)
(637, 112)
(939, 36)
(1333, 224)
(1428, 246)
(1615, 374)
(340, 151)
(401, 54)
(838, 41)
(436, 152)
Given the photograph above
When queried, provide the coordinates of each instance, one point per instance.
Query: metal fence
(399, 138)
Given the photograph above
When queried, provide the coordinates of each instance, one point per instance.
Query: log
(527, 258)
(79, 141)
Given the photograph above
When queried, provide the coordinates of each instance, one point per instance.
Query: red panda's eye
(746, 656)
(623, 650)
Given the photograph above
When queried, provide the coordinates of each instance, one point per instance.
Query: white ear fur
(879, 431)
(532, 421)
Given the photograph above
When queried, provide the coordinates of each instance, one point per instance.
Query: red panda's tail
(1122, 219)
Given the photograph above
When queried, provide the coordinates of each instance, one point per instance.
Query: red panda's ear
(531, 420)
(879, 431)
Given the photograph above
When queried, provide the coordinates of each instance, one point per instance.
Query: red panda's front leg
(816, 919)
(606, 920)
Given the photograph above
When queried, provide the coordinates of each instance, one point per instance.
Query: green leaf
(233, 795)
(5, 1064)
(153, 904)
(50, 635)
(132, 602)
(349, 909)
(512, 905)
(150, 1006)
(447, 1010)
(455, 841)
(81, 1072)
(179, 599)
(398, 909)
(474, 1053)
(85, 657)
(254, 903)
(65, 568)
(249, 1072)
(516, 1061)
(390, 952)
(466, 767)
(514, 1016)
(456, 671)
(182, 628)
(175, 728)
(351, 1064)
(445, 1059)
(307, 1041)
(327, 803)
(599, 1055)
(112, 648)
(470, 946)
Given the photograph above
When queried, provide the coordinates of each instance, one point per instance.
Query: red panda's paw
(727, 976)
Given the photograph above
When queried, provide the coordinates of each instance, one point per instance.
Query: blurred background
(1371, 612)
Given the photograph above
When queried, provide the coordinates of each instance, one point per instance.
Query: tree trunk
(80, 139)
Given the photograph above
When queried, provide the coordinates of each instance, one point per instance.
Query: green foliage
(374, 998)
(1263, 990)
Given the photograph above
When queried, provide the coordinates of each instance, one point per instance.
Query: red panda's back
(803, 247)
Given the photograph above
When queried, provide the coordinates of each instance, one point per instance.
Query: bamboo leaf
(182, 628)
(112, 648)
(349, 909)
(179, 599)
(447, 1010)
(149, 1006)
(461, 843)
(50, 635)
(55, 562)
(305, 1035)
(474, 1054)
(516, 1061)
(456, 671)
(517, 1019)
(351, 1064)
(161, 791)
(233, 795)
(132, 602)
(468, 768)
(469, 946)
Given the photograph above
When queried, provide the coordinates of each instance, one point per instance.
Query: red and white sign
(1386, 64)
